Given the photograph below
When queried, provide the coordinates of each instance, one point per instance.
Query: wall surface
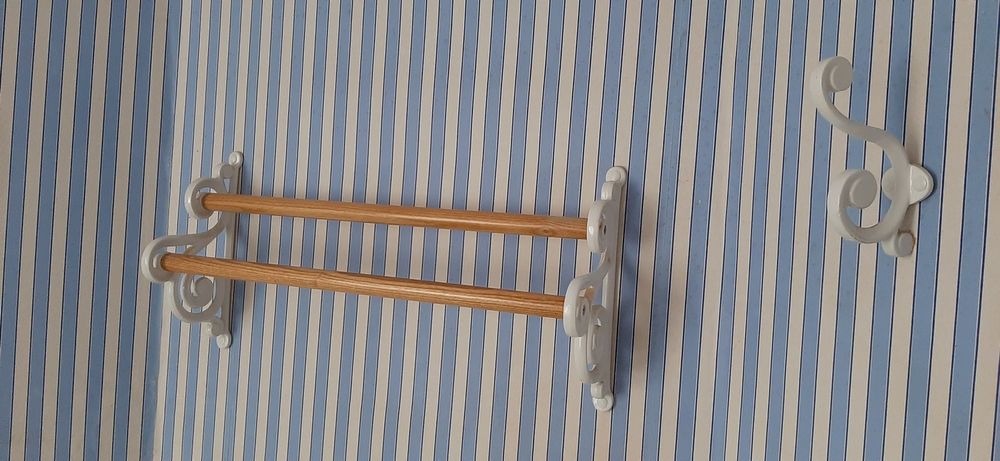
(748, 329)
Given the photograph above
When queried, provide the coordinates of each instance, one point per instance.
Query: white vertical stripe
(322, 227)
(491, 336)
(899, 358)
(988, 360)
(519, 353)
(865, 305)
(743, 244)
(651, 183)
(550, 328)
(952, 198)
(716, 239)
(640, 329)
(462, 369)
(140, 344)
(220, 151)
(398, 149)
(205, 341)
(168, 323)
(358, 389)
(29, 226)
(800, 253)
(771, 228)
(434, 356)
(256, 176)
(87, 252)
(116, 276)
(184, 367)
(577, 393)
(417, 249)
(444, 236)
(333, 377)
(264, 419)
(343, 244)
(831, 261)
(682, 229)
(301, 182)
(8, 57)
(602, 445)
(57, 268)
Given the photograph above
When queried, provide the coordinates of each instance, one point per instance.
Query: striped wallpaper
(748, 329)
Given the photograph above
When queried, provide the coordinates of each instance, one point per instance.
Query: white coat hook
(904, 184)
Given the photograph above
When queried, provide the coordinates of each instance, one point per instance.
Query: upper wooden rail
(518, 302)
(481, 221)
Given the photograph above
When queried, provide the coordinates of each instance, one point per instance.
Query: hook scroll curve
(905, 183)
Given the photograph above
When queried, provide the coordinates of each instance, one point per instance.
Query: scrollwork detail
(191, 298)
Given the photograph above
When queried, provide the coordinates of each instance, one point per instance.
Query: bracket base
(591, 325)
(196, 299)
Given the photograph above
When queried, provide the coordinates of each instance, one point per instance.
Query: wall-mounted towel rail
(518, 302)
(199, 287)
(481, 221)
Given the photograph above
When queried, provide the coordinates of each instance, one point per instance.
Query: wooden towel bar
(200, 287)
(481, 221)
(518, 302)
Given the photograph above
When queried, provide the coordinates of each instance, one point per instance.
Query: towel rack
(199, 288)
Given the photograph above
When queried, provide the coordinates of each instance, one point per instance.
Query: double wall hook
(904, 183)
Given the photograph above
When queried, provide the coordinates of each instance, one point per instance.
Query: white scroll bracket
(193, 298)
(588, 323)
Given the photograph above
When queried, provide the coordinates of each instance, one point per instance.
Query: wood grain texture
(480, 221)
(517, 302)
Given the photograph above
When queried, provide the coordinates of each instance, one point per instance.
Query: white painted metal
(196, 298)
(858, 188)
(591, 325)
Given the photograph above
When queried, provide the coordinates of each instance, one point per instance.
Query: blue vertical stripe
(786, 229)
(626, 313)
(515, 174)
(702, 193)
(237, 357)
(727, 334)
(927, 253)
(971, 258)
(885, 272)
(843, 349)
(332, 237)
(174, 361)
(109, 147)
(670, 153)
(761, 177)
(809, 368)
(130, 276)
(487, 188)
(410, 152)
(15, 216)
(88, 252)
(44, 229)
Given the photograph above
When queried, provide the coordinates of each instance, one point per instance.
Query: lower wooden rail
(518, 302)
